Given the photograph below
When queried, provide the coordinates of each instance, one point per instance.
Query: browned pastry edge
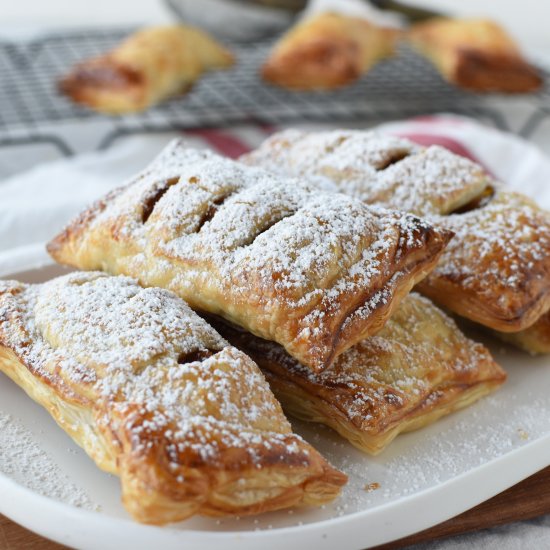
(475, 54)
(441, 290)
(439, 403)
(482, 72)
(409, 273)
(72, 232)
(100, 82)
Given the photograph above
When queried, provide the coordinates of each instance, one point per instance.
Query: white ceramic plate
(425, 477)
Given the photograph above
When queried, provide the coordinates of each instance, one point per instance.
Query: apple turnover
(495, 271)
(154, 395)
(314, 271)
(149, 66)
(327, 51)
(418, 368)
(476, 54)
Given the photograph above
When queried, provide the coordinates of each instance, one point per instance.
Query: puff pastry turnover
(495, 271)
(149, 66)
(418, 368)
(476, 54)
(327, 51)
(314, 271)
(156, 396)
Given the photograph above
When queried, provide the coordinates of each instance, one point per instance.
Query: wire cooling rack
(31, 106)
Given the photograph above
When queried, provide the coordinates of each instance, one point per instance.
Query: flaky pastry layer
(157, 397)
(418, 368)
(314, 271)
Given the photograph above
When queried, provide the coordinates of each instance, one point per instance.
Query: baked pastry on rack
(314, 271)
(476, 54)
(327, 51)
(418, 368)
(495, 271)
(149, 66)
(154, 395)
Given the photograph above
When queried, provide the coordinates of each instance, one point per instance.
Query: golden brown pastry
(148, 67)
(495, 271)
(314, 271)
(418, 368)
(157, 397)
(534, 339)
(327, 51)
(476, 54)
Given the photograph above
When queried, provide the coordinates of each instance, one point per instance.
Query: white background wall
(528, 20)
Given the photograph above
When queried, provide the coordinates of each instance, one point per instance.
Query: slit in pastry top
(315, 271)
(156, 396)
(495, 271)
(378, 169)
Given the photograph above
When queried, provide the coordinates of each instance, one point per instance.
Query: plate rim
(451, 496)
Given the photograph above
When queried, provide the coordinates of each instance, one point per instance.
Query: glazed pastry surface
(418, 368)
(328, 51)
(314, 271)
(149, 66)
(496, 269)
(157, 397)
(476, 54)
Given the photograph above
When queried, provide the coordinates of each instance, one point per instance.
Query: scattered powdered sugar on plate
(452, 447)
(25, 462)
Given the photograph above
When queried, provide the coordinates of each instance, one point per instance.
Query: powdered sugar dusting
(500, 254)
(24, 461)
(122, 348)
(454, 450)
(378, 169)
(224, 235)
(500, 250)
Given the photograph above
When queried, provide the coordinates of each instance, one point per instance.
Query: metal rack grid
(405, 85)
